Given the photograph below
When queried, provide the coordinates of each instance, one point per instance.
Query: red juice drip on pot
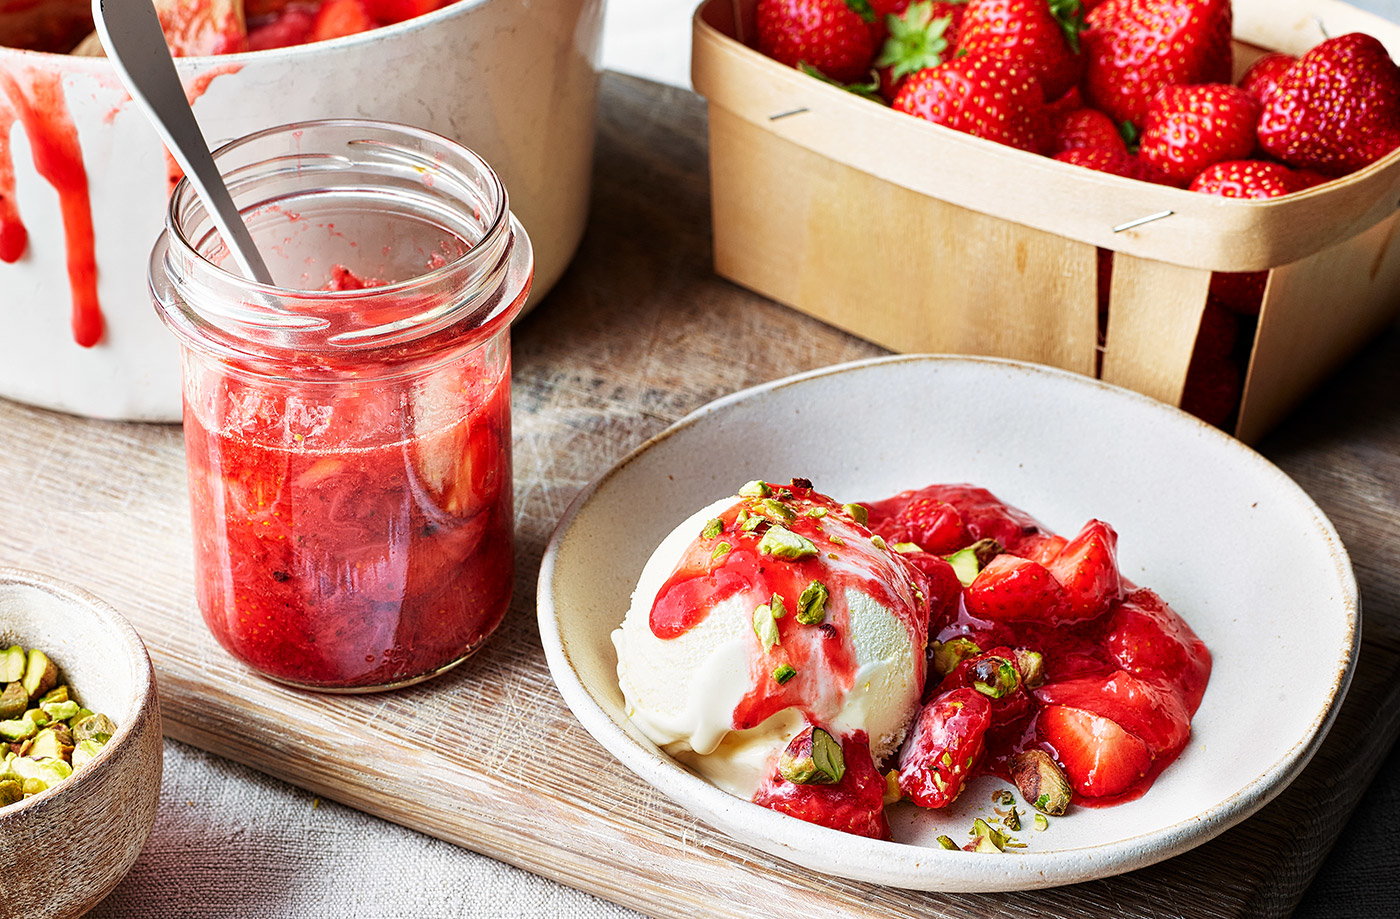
(14, 238)
(53, 138)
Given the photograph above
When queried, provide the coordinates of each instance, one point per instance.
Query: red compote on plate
(349, 446)
(957, 637)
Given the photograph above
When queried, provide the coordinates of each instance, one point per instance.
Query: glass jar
(347, 431)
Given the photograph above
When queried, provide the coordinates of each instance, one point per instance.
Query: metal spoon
(131, 33)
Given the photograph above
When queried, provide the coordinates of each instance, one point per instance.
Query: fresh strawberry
(339, 18)
(1219, 331)
(1263, 75)
(856, 804)
(1187, 128)
(1337, 109)
(1311, 178)
(934, 526)
(1147, 638)
(1087, 569)
(921, 36)
(944, 747)
(1071, 101)
(1013, 589)
(1247, 179)
(1243, 291)
(1147, 708)
(1042, 36)
(1133, 48)
(1213, 389)
(1115, 162)
(1084, 127)
(834, 36)
(990, 97)
(1099, 757)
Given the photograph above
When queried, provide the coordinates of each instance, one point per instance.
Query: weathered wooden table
(639, 333)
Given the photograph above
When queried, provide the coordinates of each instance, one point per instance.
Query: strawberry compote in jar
(348, 430)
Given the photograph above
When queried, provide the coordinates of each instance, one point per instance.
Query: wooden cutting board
(639, 333)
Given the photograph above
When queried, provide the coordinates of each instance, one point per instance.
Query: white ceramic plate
(1227, 538)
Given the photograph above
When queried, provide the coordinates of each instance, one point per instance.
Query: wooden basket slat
(1154, 316)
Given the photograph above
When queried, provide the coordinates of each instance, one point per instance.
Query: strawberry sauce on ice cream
(1020, 654)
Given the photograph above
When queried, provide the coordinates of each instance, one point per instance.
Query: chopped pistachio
(85, 752)
(13, 701)
(857, 512)
(60, 711)
(947, 843)
(878, 541)
(948, 654)
(1002, 796)
(995, 677)
(48, 745)
(82, 713)
(784, 672)
(751, 522)
(968, 562)
(48, 771)
(720, 551)
(775, 510)
(893, 793)
(778, 606)
(1012, 821)
(835, 541)
(1032, 667)
(813, 757)
(712, 529)
(40, 674)
(58, 694)
(986, 844)
(95, 727)
(11, 790)
(1042, 822)
(12, 664)
(811, 605)
(815, 512)
(783, 543)
(38, 716)
(1041, 782)
(985, 830)
(765, 627)
(18, 729)
(904, 548)
(755, 489)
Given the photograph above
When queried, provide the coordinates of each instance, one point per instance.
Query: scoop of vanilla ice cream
(682, 692)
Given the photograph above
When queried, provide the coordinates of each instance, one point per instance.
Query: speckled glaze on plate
(1233, 543)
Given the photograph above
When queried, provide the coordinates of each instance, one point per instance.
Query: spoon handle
(131, 32)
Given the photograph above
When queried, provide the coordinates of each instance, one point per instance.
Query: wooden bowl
(67, 847)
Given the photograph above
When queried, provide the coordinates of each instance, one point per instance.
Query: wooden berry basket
(921, 238)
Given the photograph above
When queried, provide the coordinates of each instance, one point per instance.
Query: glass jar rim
(499, 255)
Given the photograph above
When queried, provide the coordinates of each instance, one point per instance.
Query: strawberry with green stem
(833, 36)
(920, 36)
(1042, 36)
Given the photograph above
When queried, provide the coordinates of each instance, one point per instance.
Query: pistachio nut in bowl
(80, 743)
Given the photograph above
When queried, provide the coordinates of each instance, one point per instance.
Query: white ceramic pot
(515, 80)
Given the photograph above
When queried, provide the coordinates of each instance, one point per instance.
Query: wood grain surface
(639, 333)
